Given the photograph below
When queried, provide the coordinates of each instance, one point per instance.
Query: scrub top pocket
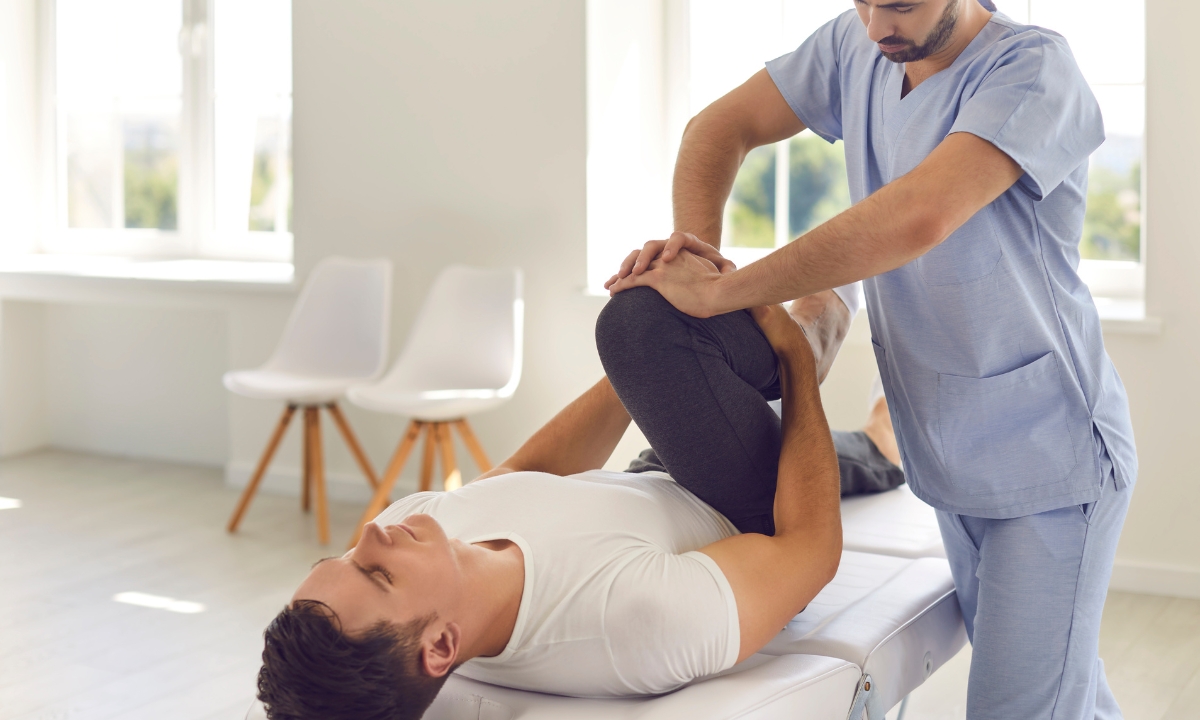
(1007, 432)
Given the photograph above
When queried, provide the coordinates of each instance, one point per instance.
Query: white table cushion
(897, 618)
(793, 687)
(288, 387)
(891, 523)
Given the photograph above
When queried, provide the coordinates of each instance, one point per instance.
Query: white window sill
(1126, 316)
(140, 281)
(268, 275)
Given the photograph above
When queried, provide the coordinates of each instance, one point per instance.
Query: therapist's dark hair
(313, 671)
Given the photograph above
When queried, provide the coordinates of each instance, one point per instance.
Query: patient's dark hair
(313, 671)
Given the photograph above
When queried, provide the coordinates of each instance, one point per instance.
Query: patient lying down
(547, 574)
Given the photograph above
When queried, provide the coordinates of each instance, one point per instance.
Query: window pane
(1112, 225)
(92, 143)
(253, 78)
(801, 18)
(750, 214)
(270, 191)
(729, 43)
(817, 186)
(151, 171)
(1107, 37)
(118, 85)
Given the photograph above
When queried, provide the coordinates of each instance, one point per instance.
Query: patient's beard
(938, 38)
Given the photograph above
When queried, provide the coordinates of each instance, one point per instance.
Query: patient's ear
(439, 652)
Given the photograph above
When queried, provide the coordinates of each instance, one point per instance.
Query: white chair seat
(430, 405)
(895, 522)
(288, 387)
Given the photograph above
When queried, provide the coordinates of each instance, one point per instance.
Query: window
(1108, 39)
(705, 48)
(171, 122)
(782, 190)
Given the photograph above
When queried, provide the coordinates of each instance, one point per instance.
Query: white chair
(336, 336)
(463, 356)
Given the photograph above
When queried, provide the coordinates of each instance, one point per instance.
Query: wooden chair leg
(318, 477)
(453, 479)
(263, 462)
(352, 442)
(431, 442)
(473, 446)
(306, 471)
(383, 492)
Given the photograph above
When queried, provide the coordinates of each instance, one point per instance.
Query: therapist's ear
(440, 651)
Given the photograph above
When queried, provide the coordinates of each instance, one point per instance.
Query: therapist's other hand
(639, 260)
(689, 282)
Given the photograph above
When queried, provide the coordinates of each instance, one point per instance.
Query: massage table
(886, 622)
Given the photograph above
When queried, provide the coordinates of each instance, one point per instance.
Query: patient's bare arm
(580, 437)
(774, 577)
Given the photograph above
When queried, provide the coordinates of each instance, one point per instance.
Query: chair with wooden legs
(336, 337)
(463, 356)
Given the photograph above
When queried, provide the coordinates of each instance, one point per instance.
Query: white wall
(437, 133)
(18, 124)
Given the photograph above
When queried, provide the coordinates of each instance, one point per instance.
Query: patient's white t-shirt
(616, 600)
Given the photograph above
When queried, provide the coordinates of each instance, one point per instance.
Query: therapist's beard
(938, 38)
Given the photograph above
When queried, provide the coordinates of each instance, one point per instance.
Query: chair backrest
(468, 336)
(339, 325)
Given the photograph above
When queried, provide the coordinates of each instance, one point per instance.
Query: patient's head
(370, 634)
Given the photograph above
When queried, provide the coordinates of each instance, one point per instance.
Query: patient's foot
(879, 429)
(825, 320)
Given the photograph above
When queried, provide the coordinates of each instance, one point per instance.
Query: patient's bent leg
(863, 467)
(698, 389)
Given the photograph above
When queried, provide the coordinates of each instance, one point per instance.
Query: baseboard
(348, 486)
(1155, 579)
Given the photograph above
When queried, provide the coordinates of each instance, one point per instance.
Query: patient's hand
(785, 335)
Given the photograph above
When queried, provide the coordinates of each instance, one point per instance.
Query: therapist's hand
(639, 260)
(689, 282)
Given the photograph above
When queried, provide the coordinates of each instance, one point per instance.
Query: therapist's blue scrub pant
(1032, 590)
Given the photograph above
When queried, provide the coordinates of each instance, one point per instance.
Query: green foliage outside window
(817, 191)
(151, 190)
(752, 211)
(1112, 225)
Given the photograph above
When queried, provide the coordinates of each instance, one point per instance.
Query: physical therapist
(967, 138)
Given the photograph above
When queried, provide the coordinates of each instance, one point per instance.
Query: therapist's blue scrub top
(1004, 400)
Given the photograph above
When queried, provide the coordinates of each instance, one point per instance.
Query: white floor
(90, 527)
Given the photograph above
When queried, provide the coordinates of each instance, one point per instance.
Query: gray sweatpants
(699, 390)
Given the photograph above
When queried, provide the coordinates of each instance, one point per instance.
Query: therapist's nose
(878, 25)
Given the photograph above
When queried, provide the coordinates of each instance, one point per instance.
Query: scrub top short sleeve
(1036, 107)
(810, 80)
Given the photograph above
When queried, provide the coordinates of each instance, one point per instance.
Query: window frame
(195, 236)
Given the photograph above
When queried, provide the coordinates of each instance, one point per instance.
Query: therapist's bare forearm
(881, 233)
(900, 222)
(580, 437)
(708, 162)
(807, 491)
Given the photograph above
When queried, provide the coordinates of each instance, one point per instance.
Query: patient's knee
(631, 321)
